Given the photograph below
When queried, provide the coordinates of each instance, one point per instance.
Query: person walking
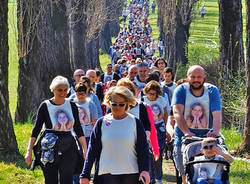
(59, 143)
(117, 131)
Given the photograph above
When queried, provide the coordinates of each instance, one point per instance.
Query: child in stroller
(210, 168)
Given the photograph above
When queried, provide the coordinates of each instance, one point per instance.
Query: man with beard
(195, 90)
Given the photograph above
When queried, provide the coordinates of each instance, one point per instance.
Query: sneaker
(158, 181)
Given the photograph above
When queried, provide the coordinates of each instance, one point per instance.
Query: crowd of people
(123, 120)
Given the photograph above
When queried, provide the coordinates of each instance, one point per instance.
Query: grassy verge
(15, 170)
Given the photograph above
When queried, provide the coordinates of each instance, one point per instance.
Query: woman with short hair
(158, 105)
(118, 144)
(60, 118)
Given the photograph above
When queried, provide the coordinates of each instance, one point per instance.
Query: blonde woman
(118, 144)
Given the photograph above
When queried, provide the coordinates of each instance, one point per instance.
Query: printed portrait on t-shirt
(197, 117)
(157, 112)
(63, 123)
(83, 116)
(108, 78)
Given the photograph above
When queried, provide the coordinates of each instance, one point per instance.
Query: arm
(93, 153)
(142, 151)
(216, 111)
(165, 115)
(226, 156)
(178, 110)
(217, 118)
(83, 143)
(28, 156)
(35, 132)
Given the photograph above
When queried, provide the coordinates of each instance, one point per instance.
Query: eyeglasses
(208, 146)
(117, 104)
(81, 93)
(62, 90)
(151, 94)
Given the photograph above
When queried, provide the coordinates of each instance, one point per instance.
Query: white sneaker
(158, 181)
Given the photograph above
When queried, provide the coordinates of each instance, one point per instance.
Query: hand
(156, 157)
(189, 134)
(84, 181)
(212, 134)
(28, 158)
(146, 176)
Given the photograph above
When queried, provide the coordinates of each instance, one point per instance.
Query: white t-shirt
(118, 155)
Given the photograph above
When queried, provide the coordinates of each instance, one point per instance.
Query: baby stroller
(191, 148)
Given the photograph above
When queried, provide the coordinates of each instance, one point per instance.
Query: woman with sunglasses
(61, 161)
(118, 144)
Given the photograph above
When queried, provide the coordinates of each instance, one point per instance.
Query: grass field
(203, 45)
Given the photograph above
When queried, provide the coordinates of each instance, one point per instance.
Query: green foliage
(234, 100)
(233, 138)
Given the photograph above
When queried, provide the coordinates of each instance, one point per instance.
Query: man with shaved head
(197, 111)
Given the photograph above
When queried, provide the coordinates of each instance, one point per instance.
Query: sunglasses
(208, 146)
(62, 90)
(117, 104)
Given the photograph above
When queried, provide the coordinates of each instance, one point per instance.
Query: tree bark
(245, 145)
(7, 136)
(93, 52)
(77, 25)
(231, 42)
(174, 19)
(43, 52)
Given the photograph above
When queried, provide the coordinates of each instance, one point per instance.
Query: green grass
(15, 171)
(233, 138)
(203, 45)
(13, 58)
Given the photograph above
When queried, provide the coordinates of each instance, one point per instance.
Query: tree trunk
(77, 25)
(7, 137)
(93, 52)
(167, 24)
(231, 42)
(174, 19)
(245, 145)
(105, 38)
(43, 52)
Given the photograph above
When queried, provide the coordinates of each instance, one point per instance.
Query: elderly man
(76, 76)
(132, 72)
(91, 74)
(197, 111)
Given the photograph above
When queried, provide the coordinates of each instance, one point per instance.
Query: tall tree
(43, 44)
(7, 137)
(245, 145)
(174, 20)
(231, 42)
(77, 31)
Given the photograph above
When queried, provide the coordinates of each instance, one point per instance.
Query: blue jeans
(161, 135)
(178, 160)
(203, 181)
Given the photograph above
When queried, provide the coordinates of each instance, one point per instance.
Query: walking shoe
(158, 181)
